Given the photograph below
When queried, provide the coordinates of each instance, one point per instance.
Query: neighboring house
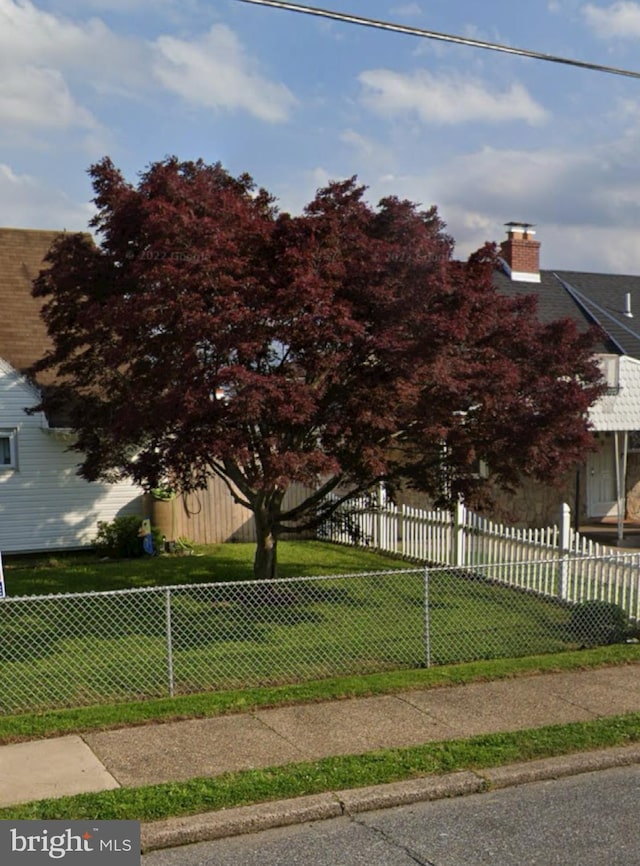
(608, 485)
(44, 504)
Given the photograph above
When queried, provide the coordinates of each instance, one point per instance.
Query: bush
(598, 623)
(121, 538)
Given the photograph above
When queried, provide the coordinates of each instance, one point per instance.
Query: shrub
(597, 623)
(121, 538)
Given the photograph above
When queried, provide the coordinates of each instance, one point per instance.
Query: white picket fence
(554, 561)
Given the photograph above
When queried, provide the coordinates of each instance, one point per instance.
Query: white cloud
(45, 58)
(565, 245)
(446, 99)
(608, 249)
(585, 203)
(51, 66)
(621, 18)
(295, 193)
(369, 151)
(28, 34)
(494, 175)
(127, 6)
(407, 10)
(214, 71)
(28, 202)
(35, 97)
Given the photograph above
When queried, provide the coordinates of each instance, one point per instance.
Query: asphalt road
(587, 820)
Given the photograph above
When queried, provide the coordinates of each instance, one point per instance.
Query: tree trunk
(265, 564)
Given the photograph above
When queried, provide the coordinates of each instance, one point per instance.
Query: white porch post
(621, 450)
(564, 550)
(459, 524)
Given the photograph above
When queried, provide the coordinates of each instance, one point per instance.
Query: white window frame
(10, 435)
(610, 368)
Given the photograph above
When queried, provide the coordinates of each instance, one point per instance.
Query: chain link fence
(91, 648)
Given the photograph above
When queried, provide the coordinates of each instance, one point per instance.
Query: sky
(297, 101)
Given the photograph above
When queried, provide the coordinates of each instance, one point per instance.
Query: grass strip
(18, 728)
(85, 571)
(155, 802)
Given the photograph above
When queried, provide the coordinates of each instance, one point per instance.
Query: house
(608, 485)
(44, 504)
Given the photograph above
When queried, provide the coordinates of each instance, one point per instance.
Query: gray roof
(588, 299)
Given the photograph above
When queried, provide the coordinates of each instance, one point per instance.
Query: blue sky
(297, 101)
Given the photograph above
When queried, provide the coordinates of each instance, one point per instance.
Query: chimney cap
(516, 224)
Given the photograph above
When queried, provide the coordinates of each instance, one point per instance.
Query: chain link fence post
(427, 620)
(169, 642)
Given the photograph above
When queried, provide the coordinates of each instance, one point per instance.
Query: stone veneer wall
(538, 505)
(633, 486)
(533, 505)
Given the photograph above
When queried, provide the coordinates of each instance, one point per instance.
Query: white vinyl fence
(554, 561)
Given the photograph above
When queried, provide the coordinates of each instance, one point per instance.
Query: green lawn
(80, 651)
(39, 574)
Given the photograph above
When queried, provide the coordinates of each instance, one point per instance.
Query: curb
(209, 826)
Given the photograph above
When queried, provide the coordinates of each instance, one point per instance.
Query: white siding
(620, 410)
(44, 505)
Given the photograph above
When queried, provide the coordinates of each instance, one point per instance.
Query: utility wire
(442, 37)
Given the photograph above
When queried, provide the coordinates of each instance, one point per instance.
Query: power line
(442, 37)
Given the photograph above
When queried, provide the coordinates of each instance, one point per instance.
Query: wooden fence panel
(211, 516)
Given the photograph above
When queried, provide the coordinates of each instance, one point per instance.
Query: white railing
(553, 561)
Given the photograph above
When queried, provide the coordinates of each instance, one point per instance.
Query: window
(8, 455)
(610, 368)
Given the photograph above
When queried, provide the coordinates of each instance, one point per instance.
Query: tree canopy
(206, 333)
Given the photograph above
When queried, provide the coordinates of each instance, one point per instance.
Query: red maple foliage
(209, 334)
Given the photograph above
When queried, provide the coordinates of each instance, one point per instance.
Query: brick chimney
(520, 253)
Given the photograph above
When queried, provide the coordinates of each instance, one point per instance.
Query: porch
(606, 531)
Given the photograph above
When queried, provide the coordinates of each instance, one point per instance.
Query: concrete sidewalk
(177, 751)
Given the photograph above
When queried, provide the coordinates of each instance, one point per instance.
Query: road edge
(209, 826)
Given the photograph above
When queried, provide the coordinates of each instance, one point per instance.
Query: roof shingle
(23, 334)
(588, 299)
